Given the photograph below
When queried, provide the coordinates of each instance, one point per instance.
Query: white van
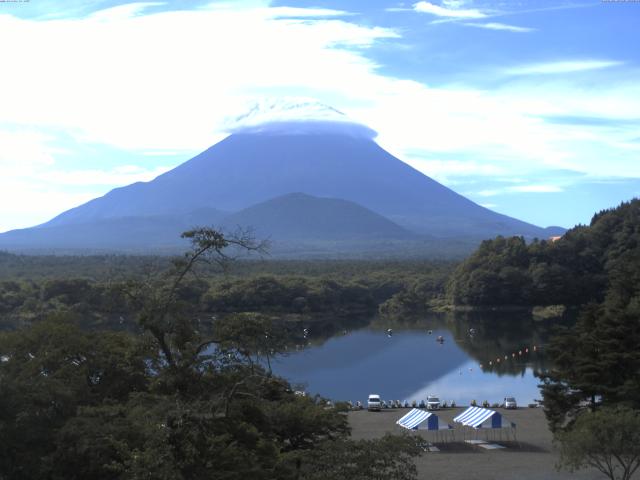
(373, 402)
(433, 402)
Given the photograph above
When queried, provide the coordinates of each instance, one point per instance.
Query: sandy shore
(532, 457)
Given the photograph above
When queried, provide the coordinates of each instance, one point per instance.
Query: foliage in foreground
(389, 457)
(173, 401)
(607, 439)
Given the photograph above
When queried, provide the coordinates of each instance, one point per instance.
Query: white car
(374, 403)
(433, 403)
(510, 402)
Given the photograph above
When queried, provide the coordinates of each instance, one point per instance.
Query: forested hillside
(597, 361)
(572, 270)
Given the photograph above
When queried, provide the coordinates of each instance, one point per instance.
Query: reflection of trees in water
(495, 334)
(487, 336)
(498, 335)
(323, 327)
(305, 330)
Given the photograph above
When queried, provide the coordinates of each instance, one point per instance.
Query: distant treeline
(574, 270)
(315, 288)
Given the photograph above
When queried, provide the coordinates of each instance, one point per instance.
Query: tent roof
(414, 418)
(474, 416)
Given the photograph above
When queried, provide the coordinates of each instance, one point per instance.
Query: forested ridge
(573, 270)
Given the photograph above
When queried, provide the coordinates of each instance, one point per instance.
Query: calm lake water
(411, 363)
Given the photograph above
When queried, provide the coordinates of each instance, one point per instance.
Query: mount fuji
(296, 181)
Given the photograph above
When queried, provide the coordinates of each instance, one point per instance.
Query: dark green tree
(389, 457)
(50, 371)
(607, 440)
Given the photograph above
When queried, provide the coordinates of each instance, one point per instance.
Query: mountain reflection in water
(411, 364)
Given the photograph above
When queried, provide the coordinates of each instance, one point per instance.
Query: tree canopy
(607, 440)
(173, 399)
(573, 270)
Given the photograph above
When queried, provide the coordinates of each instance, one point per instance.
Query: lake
(481, 357)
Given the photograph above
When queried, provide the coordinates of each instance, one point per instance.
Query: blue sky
(531, 108)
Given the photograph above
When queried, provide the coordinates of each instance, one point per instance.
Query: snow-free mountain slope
(348, 188)
(249, 168)
(301, 216)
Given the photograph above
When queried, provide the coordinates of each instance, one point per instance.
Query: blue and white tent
(483, 418)
(418, 419)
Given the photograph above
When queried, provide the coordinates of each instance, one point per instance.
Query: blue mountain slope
(364, 193)
(249, 168)
(300, 216)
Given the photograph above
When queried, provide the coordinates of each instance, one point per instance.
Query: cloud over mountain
(296, 117)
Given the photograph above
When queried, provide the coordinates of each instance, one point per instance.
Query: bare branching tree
(164, 314)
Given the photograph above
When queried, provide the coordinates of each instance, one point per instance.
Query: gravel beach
(531, 457)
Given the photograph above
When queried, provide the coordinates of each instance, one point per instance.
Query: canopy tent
(480, 418)
(418, 419)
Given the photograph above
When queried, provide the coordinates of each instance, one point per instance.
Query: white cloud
(535, 189)
(455, 3)
(501, 26)
(282, 12)
(162, 153)
(453, 12)
(123, 175)
(489, 193)
(551, 68)
(24, 150)
(168, 80)
(446, 171)
(122, 11)
(398, 9)
(283, 109)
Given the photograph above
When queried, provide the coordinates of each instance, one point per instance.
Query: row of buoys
(517, 354)
(472, 332)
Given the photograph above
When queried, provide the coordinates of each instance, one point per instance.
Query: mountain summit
(259, 162)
